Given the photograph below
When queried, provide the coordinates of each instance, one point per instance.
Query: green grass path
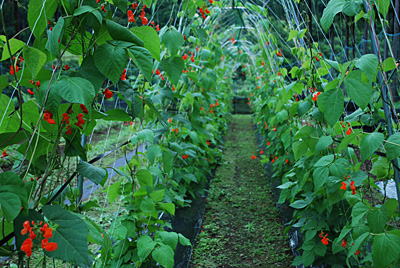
(242, 227)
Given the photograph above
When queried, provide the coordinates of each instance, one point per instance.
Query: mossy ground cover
(241, 226)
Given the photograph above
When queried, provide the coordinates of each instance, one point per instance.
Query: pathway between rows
(241, 227)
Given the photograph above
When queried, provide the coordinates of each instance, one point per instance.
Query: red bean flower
(130, 16)
(27, 246)
(184, 57)
(344, 243)
(12, 71)
(48, 116)
(253, 157)
(4, 154)
(315, 96)
(108, 94)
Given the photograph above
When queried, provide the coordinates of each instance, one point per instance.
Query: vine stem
(44, 102)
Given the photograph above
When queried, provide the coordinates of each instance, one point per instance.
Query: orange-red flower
(27, 247)
(353, 187)
(130, 16)
(123, 75)
(84, 109)
(80, 121)
(315, 96)
(30, 92)
(49, 117)
(324, 239)
(348, 132)
(344, 186)
(12, 71)
(253, 157)
(184, 57)
(344, 243)
(65, 118)
(4, 154)
(48, 246)
(108, 94)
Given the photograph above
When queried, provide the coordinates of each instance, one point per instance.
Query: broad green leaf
(152, 152)
(335, 65)
(89, 71)
(95, 174)
(164, 255)
(73, 146)
(3, 82)
(331, 103)
(167, 159)
(170, 207)
(75, 90)
(70, 236)
(114, 191)
(359, 92)
(201, 34)
(143, 135)
(389, 64)
(173, 68)
(158, 195)
(333, 8)
(15, 45)
(339, 168)
(385, 249)
(299, 204)
(54, 36)
(148, 206)
(325, 161)
(88, 9)
(369, 144)
(173, 40)
(358, 214)
(377, 219)
(299, 148)
(169, 238)
(358, 244)
(352, 8)
(10, 205)
(117, 115)
(292, 34)
(320, 176)
(369, 65)
(145, 246)
(8, 121)
(34, 59)
(323, 143)
(184, 241)
(143, 60)
(392, 146)
(150, 104)
(303, 107)
(121, 33)
(111, 61)
(150, 38)
(380, 168)
(13, 195)
(383, 7)
(145, 178)
(39, 11)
